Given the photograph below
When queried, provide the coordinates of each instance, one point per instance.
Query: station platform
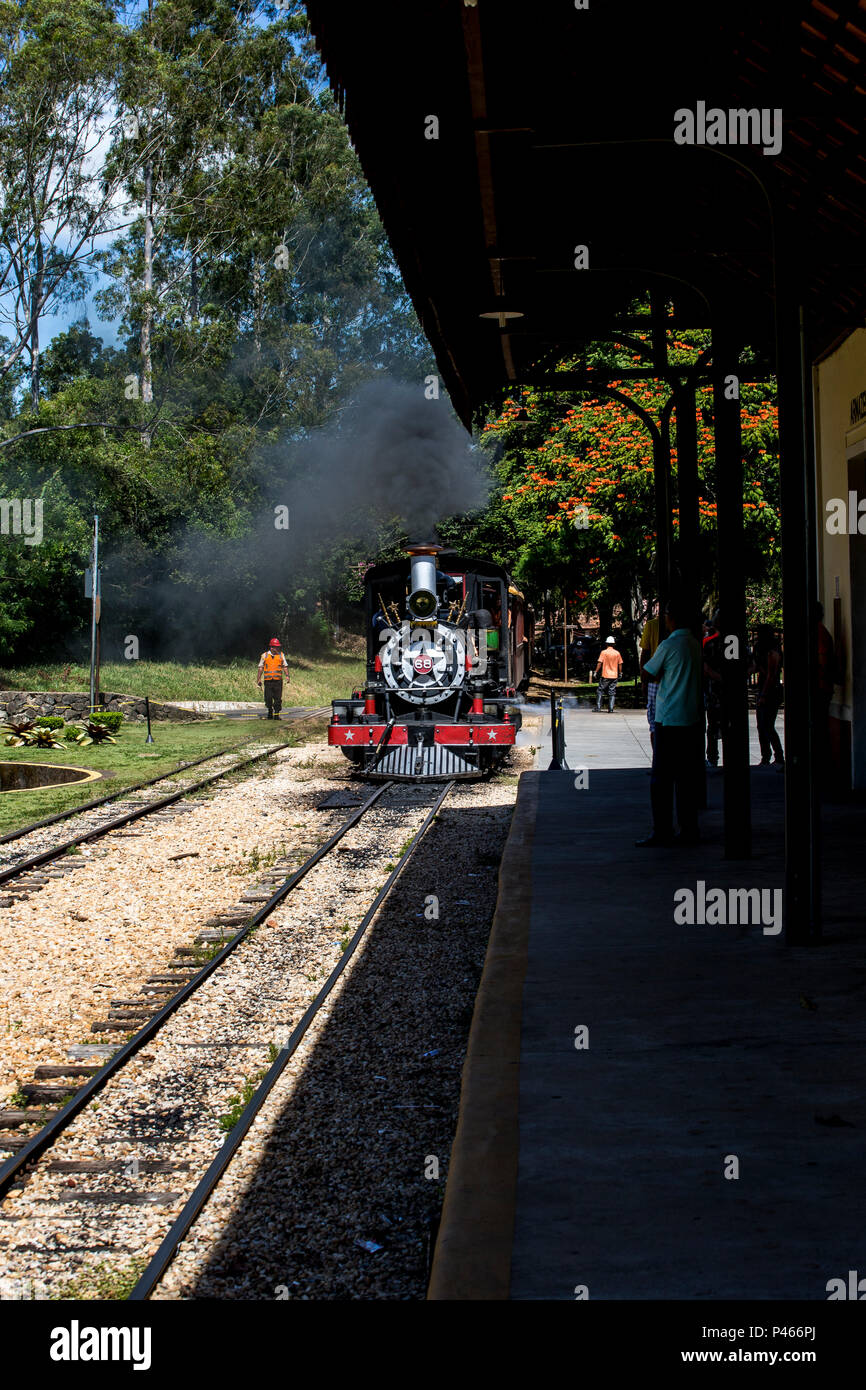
(705, 1138)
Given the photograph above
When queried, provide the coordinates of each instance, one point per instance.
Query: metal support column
(687, 490)
(662, 488)
(732, 596)
(813, 587)
(802, 818)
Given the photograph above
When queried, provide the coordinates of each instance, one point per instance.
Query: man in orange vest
(272, 669)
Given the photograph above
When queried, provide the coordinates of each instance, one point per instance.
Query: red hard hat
(274, 642)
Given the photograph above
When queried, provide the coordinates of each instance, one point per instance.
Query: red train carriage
(448, 647)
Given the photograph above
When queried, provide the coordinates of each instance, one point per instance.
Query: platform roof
(556, 130)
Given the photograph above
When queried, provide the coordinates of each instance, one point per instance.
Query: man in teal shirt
(677, 665)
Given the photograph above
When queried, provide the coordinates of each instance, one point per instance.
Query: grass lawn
(130, 761)
(312, 680)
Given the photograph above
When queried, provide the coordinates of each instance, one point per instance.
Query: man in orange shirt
(610, 666)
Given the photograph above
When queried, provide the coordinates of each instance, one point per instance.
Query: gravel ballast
(99, 930)
(334, 1191)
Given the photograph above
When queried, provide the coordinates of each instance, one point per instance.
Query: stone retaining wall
(29, 704)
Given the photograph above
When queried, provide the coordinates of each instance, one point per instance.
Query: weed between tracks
(256, 860)
(105, 1282)
(237, 1104)
(203, 954)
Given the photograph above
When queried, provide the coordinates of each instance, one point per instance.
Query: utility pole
(565, 637)
(94, 618)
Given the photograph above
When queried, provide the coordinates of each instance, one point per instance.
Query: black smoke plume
(389, 456)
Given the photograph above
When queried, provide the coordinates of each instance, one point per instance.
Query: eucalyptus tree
(257, 253)
(58, 74)
(182, 84)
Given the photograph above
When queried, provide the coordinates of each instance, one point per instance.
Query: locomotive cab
(443, 668)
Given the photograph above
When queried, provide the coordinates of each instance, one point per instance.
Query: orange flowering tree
(576, 486)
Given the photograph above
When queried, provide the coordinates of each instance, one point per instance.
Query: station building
(839, 393)
(539, 172)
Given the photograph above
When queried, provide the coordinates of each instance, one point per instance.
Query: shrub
(50, 721)
(110, 719)
(41, 738)
(310, 635)
(72, 732)
(15, 731)
(93, 732)
(28, 734)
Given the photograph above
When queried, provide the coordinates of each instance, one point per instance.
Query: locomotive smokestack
(422, 601)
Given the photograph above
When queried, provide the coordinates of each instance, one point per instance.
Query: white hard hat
(610, 639)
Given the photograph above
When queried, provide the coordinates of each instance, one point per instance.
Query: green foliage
(30, 733)
(109, 719)
(575, 518)
(312, 680)
(58, 66)
(238, 1103)
(103, 1282)
(93, 732)
(50, 721)
(15, 732)
(42, 738)
(252, 331)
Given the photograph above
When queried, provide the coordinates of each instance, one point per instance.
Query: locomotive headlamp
(422, 604)
(422, 601)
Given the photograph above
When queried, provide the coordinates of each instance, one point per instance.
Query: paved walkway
(713, 1050)
(604, 740)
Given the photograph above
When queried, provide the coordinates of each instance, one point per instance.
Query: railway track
(27, 869)
(102, 1163)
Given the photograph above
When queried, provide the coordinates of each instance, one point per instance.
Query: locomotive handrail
(382, 745)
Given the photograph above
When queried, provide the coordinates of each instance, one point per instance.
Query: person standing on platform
(825, 679)
(273, 669)
(767, 661)
(712, 654)
(649, 641)
(679, 731)
(610, 666)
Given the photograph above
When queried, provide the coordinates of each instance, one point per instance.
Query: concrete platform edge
(472, 1260)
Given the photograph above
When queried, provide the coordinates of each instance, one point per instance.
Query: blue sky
(50, 325)
(53, 324)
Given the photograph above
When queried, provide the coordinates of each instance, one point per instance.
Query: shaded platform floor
(605, 1166)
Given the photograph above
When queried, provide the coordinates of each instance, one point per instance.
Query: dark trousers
(273, 696)
(606, 691)
(677, 765)
(714, 731)
(822, 729)
(765, 718)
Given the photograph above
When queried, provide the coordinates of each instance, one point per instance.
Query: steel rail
(139, 786)
(37, 1145)
(146, 809)
(164, 1255)
(116, 795)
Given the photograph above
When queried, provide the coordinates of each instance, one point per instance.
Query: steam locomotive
(449, 644)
